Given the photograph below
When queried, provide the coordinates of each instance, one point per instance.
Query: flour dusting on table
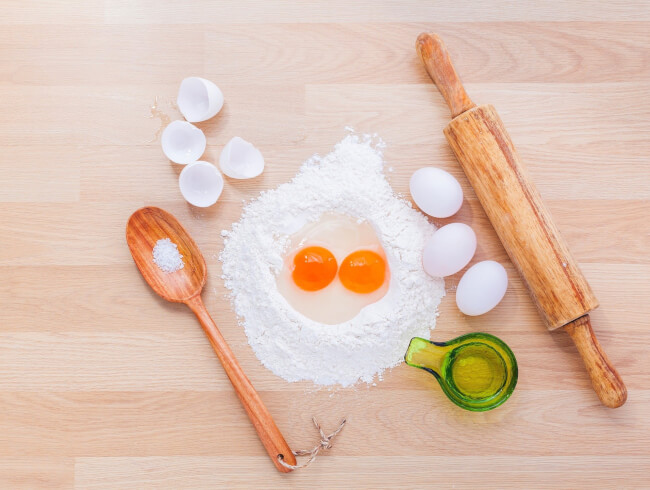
(349, 181)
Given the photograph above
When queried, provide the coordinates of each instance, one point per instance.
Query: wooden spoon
(145, 227)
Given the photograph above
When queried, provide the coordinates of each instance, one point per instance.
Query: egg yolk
(314, 268)
(363, 271)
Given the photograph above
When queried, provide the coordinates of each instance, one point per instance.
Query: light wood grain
(105, 385)
(371, 472)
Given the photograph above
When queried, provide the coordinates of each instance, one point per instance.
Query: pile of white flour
(349, 181)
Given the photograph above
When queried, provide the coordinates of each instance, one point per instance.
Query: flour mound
(349, 181)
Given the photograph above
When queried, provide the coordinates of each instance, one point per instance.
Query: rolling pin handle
(437, 62)
(605, 379)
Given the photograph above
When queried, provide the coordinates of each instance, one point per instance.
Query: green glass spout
(477, 372)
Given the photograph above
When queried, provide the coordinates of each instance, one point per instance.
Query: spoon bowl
(148, 225)
(145, 227)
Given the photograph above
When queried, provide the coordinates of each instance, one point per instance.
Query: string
(324, 443)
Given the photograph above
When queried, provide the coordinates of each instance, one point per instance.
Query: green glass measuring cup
(477, 371)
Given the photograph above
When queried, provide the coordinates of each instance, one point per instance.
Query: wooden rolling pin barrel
(522, 222)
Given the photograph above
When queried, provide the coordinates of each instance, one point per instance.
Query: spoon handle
(268, 432)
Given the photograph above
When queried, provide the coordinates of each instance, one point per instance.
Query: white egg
(183, 142)
(201, 184)
(199, 99)
(436, 192)
(239, 159)
(449, 250)
(481, 288)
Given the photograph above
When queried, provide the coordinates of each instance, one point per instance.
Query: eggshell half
(183, 142)
(201, 184)
(239, 159)
(199, 99)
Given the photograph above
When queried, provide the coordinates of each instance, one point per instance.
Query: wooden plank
(79, 130)
(416, 472)
(56, 242)
(18, 473)
(180, 358)
(76, 54)
(536, 114)
(212, 423)
(341, 11)
(595, 176)
(39, 175)
(119, 302)
(35, 12)
(550, 52)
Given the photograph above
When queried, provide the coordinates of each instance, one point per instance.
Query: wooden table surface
(104, 385)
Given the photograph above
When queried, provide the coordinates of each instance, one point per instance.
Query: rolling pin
(484, 150)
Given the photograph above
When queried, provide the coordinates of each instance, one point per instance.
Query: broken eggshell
(201, 184)
(241, 160)
(183, 142)
(199, 99)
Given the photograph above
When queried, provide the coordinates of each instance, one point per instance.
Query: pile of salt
(166, 256)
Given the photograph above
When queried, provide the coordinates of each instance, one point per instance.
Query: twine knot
(324, 443)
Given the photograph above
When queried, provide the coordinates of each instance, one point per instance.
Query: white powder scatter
(349, 181)
(166, 256)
